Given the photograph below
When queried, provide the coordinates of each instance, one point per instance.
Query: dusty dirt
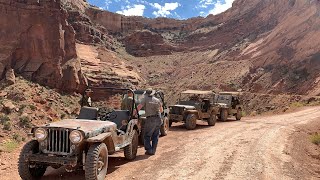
(253, 148)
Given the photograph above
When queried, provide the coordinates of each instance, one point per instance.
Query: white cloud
(164, 11)
(135, 10)
(204, 3)
(220, 7)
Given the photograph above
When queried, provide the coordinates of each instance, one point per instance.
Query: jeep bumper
(175, 117)
(45, 159)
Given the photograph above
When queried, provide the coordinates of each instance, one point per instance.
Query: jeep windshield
(108, 100)
(192, 97)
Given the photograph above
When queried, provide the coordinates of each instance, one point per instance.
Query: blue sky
(179, 9)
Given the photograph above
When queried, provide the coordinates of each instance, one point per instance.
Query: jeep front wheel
(224, 114)
(239, 114)
(25, 168)
(130, 151)
(165, 127)
(212, 120)
(191, 122)
(96, 164)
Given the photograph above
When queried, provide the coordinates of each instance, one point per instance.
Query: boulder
(10, 77)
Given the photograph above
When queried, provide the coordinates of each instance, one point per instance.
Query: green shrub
(7, 126)
(25, 121)
(4, 119)
(297, 104)
(32, 107)
(17, 137)
(315, 139)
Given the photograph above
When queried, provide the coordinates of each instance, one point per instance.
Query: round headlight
(40, 134)
(76, 137)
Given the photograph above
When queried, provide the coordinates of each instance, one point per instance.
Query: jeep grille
(58, 141)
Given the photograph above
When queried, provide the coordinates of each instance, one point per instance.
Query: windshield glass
(107, 99)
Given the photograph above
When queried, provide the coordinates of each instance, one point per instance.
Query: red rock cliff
(37, 42)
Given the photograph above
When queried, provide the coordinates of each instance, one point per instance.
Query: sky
(178, 9)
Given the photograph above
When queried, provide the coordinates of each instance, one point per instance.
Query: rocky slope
(274, 43)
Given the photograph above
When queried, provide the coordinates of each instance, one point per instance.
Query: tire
(25, 172)
(224, 115)
(164, 129)
(212, 120)
(191, 122)
(97, 156)
(239, 115)
(130, 151)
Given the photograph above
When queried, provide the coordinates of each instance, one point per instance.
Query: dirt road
(253, 148)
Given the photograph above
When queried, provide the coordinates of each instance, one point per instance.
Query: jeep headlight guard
(40, 134)
(76, 137)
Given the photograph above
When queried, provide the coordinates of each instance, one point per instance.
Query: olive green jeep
(194, 105)
(229, 104)
(84, 142)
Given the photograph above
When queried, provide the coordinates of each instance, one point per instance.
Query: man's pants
(151, 132)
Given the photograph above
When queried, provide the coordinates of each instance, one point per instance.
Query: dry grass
(315, 139)
(8, 146)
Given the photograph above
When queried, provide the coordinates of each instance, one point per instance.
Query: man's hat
(150, 92)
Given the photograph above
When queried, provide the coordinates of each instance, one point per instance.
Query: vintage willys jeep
(84, 142)
(139, 94)
(229, 104)
(194, 105)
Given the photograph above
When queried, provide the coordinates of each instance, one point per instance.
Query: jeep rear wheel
(165, 127)
(25, 168)
(224, 114)
(191, 122)
(212, 120)
(239, 114)
(96, 164)
(130, 151)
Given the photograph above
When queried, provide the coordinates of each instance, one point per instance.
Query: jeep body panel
(229, 101)
(202, 108)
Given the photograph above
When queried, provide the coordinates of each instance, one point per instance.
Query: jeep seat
(89, 113)
(120, 116)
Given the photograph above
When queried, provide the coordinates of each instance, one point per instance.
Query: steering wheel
(105, 115)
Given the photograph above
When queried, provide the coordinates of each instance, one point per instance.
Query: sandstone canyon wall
(38, 43)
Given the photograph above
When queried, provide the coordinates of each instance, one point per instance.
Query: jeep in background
(84, 142)
(139, 94)
(194, 105)
(229, 104)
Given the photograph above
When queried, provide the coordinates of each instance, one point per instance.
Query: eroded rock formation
(38, 43)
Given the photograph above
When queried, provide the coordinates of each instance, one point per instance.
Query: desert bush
(32, 107)
(4, 119)
(25, 121)
(297, 104)
(17, 137)
(315, 139)
(7, 126)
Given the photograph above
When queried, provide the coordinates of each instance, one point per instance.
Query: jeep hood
(185, 106)
(89, 127)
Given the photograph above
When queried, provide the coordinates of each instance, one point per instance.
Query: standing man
(86, 101)
(127, 102)
(153, 110)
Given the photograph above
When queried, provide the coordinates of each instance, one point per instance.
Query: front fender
(99, 138)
